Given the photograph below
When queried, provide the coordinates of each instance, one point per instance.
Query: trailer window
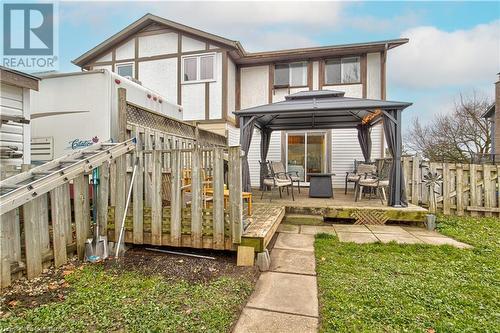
(125, 70)
(198, 68)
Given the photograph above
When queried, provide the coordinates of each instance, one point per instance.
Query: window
(125, 70)
(199, 68)
(342, 71)
(290, 75)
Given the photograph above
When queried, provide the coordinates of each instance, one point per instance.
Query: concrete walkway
(286, 298)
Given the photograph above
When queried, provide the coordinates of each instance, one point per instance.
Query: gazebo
(327, 109)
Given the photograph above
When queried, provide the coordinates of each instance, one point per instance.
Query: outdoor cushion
(353, 178)
(279, 182)
(373, 182)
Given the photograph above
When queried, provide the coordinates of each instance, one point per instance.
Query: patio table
(320, 185)
(244, 195)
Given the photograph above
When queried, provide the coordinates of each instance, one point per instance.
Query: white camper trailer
(75, 110)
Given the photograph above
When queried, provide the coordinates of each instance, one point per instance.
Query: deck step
(306, 219)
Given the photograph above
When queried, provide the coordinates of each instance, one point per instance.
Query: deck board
(267, 214)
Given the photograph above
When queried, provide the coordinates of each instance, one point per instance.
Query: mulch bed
(52, 287)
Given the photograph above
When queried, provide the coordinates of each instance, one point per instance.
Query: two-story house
(211, 76)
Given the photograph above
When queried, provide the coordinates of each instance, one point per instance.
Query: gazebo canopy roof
(319, 109)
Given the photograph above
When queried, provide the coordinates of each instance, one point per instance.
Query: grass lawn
(108, 299)
(412, 288)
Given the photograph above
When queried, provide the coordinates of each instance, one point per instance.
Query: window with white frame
(343, 70)
(125, 69)
(200, 68)
(290, 75)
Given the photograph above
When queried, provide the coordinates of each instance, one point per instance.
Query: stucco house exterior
(212, 76)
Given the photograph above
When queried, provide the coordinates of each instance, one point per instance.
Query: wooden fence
(466, 189)
(178, 193)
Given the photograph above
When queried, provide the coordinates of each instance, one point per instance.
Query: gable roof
(141, 24)
(237, 51)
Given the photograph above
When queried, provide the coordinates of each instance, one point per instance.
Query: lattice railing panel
(369, 217)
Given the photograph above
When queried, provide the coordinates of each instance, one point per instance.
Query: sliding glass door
(306, 153)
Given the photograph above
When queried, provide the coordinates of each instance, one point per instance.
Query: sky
(454, 46)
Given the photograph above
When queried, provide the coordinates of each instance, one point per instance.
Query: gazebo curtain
(392, 130)
(246, 133)
(365, 141)
(265, 135)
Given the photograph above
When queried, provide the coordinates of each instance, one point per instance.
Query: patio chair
(379, 182)
(275, 180)
(361, 170)
(279, 167)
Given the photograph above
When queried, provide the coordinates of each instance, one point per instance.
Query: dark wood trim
(113, 60)
(321, 74)
(136, 55)
(156, 57)
(225, 64)
(202, 52)
(271, 83)
(179, 69)
(343, 84)
(237, 94)
(310, 74)
(207, 101)
(18, 80)
(364, 74)
(383, 90)
(208, 121)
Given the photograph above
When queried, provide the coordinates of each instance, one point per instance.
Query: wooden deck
(267, 215)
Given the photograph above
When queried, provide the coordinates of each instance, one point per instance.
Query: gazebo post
(397, 160)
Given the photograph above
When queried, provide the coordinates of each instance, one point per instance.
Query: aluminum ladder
(17, 190)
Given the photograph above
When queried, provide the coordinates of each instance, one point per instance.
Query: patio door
(306, 153)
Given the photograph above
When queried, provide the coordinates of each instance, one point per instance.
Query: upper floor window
(344, 70)
(199, 68)
(290, 75)
(125, 69)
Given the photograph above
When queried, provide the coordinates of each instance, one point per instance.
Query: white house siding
(231, 88)
(15, 101)
(158, 44)
(160, 76)
(215, 92)
(126, 51)
(190, 44)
